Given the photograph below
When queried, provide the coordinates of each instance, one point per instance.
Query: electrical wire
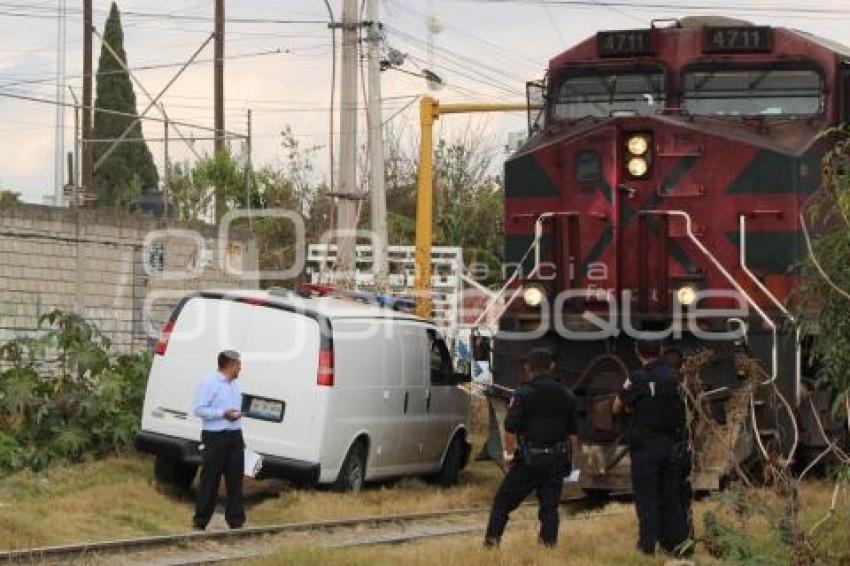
(274, 51)
(53, 102)
(463, 65)
(48, 12)
(504, 54)
(737, 7)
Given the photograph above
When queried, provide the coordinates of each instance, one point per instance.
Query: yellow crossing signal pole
(430, 111)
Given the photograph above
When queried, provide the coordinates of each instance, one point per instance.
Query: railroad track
(219, 546)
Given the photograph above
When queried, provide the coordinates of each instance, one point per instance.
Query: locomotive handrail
(743, 251)
(535, 245)
(767, 320)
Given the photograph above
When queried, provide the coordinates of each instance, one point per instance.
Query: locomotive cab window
(753, 92)
(602, 95)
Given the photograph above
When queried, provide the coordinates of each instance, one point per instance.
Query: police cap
(648, 348)
(539, 360)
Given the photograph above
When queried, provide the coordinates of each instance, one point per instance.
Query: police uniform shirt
(543, 411)
(652, 394)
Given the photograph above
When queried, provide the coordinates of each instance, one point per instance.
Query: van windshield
(752, 92)
(609, 94)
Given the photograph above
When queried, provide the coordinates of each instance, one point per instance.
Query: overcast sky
(511, 41)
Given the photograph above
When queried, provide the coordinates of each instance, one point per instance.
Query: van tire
(173, 475)
(352, 474)
(452, 464)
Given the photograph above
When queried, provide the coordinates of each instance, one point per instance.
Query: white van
(333, 391)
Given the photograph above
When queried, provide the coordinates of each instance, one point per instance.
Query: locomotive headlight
(637, 166)
(637, 145)
(532, 296)
(686, 295)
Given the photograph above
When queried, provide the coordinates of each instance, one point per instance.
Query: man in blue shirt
(218, 402)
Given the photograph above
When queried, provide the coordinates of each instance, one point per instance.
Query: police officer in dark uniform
(658, 448)
(540, 433)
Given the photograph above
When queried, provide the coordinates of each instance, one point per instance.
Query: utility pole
(74, 181)
(249, 171)
(347, 197)
(88, 156)
(218, 94)
(376, 150)
(59, 140)
(166, 168)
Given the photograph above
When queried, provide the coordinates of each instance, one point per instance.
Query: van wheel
(170, 473)
(353, 472)
(452, 464)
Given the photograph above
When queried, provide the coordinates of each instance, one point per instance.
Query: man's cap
(231, 355)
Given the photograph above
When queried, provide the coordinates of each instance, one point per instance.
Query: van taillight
(164, 337)
(325, 375)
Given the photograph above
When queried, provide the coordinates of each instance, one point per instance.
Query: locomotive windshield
(609, 94)
(752, 92)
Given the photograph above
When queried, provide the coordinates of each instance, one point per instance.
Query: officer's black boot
(547, 543)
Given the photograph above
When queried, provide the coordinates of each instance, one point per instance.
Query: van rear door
(280, 357)
(203, 328)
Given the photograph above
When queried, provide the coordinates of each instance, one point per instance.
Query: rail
(71, 550)
(184, 541)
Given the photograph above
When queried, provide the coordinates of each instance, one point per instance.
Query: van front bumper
(186, 451)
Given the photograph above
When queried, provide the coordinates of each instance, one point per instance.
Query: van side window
(441, 362)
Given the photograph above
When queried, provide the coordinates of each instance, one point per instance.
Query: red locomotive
(661, 192)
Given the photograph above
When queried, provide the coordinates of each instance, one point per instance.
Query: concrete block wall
(93, 262)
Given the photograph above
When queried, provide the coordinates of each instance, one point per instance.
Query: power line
(453, 67)
(53, 102)
(503, 53)
(47, 12)
(773, 10)
(275, 51)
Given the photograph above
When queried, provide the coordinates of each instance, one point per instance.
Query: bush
(63, 397)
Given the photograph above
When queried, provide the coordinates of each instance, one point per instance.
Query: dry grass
(605, 540)
(117, 498)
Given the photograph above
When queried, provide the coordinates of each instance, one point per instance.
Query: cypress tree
(130, 165)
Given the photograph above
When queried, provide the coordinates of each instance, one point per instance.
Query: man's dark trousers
(547, 478)
(657, 469)
(223, 455)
